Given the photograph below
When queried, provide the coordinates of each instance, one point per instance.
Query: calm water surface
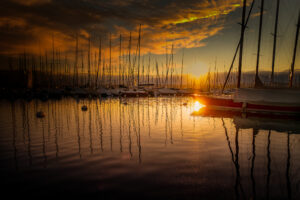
(145, 148)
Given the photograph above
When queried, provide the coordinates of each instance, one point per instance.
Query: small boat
(84, 108)
(185, 92)
(167, 91)
(253, 100)
(134, 93)
(40, 114)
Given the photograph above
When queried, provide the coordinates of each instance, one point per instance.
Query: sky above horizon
(206, 30)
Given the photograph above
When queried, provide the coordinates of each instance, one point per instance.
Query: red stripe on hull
(229, 104)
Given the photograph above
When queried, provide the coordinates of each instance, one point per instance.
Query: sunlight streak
(198, 106)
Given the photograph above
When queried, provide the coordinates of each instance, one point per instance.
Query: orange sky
(208, 30)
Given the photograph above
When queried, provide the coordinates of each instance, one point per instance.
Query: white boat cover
(281, 96)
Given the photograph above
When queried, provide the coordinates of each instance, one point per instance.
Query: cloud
(31, 2)
(31, 24)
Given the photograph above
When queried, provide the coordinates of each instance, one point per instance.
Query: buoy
(40, 114)
(84, 108)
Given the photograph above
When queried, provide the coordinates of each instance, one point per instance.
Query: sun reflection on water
(198, 106)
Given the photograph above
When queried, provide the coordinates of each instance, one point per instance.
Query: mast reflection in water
(146, 148)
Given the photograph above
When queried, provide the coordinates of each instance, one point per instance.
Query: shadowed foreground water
(144, 148)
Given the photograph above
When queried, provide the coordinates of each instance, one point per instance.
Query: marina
(138, 99)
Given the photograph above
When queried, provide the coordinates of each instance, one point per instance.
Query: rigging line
(237, 49)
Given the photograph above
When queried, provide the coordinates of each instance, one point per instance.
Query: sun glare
(198, 106)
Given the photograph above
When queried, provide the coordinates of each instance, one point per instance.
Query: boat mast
(295, 52)
(120, 52)
(139, 47)
(167, 66)
(172, 64)
(257, 79)
(181, 72)
(208, 79)
(89, 63)
(242, 44)
(99, 61)
(148, 70)
(157, 74)
(215, 76)
(75, 76)
(103, 76)
(236, 50)
(129, 61)
(53, 62)
(110, 74)
(275, 41)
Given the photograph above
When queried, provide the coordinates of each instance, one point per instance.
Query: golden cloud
(178, 25)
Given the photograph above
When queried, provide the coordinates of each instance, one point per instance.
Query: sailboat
(259, 99)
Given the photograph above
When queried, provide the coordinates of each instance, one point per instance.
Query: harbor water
(147, 148)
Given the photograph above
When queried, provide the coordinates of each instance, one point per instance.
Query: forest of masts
(92, 69)
(97, 69)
